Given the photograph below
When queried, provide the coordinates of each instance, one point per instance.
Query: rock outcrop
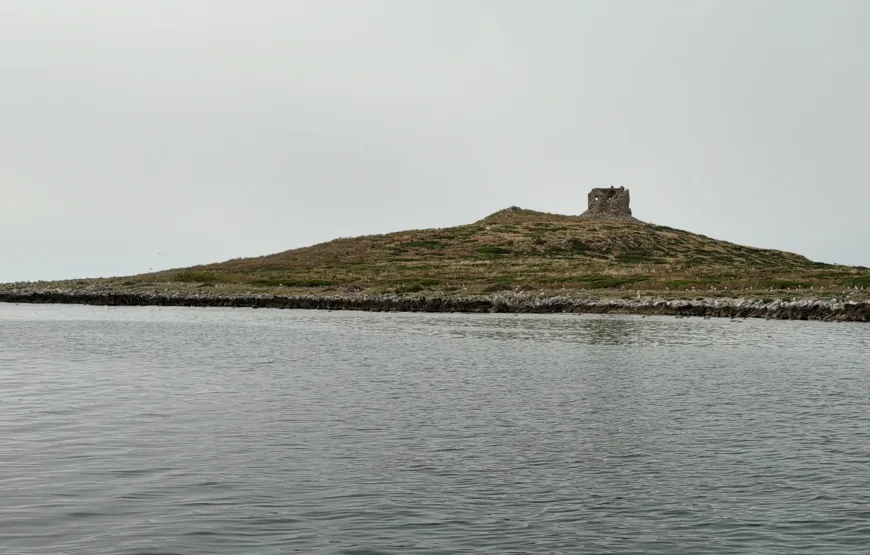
(826, 310)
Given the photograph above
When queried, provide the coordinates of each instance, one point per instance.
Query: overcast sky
(146, 134)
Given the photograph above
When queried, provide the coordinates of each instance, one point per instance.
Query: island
(601, 261)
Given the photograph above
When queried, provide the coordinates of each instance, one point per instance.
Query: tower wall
(609, 203)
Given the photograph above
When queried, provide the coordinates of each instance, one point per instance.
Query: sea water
(220, 431)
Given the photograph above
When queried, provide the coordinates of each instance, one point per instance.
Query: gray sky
(162, 133)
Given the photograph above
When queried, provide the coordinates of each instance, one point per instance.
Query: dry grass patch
(516, 247)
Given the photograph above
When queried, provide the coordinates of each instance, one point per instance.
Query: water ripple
(161, 431)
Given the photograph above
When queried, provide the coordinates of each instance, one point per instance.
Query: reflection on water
(609, 330)
(149, 430)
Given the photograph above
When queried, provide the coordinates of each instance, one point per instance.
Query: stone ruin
(609, 204)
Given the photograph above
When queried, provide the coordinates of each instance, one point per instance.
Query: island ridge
(604, 255)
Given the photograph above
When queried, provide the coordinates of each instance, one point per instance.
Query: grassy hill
(516, 249)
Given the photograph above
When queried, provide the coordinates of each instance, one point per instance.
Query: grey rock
(508, 302)
(609, 204)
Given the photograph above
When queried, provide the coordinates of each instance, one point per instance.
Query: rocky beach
(829, 310)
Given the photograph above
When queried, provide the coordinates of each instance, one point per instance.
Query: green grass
(599, 282)
(424, 244)
(193, 276)
(493, 250)
(687, 283)
(635, 257)
(783, 284)
(578, 246)
(289, 282)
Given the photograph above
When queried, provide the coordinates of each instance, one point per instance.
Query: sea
(149, 430)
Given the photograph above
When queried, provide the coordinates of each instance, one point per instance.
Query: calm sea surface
(219, 431)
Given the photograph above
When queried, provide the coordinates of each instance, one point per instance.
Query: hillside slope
(517, 249)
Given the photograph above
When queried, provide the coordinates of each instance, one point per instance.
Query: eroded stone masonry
(609, 204)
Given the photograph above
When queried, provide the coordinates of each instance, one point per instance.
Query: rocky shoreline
(824, 310)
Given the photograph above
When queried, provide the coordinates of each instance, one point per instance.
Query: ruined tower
(609, 204)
